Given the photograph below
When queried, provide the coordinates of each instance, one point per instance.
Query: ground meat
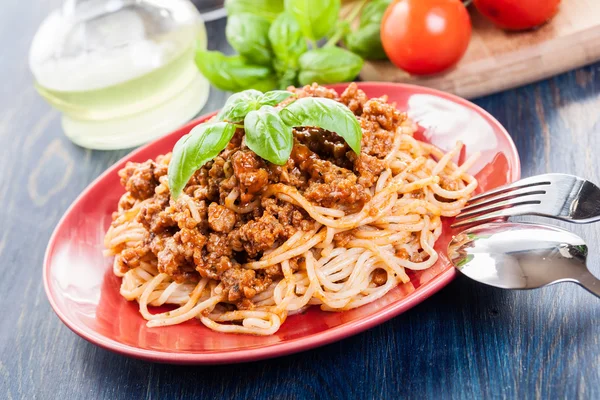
(259, 235)
(139, 179)
(385, 114)
(313, 90)
(180, 253)
(379, 122)
(131, 257)
(217, 258)
(375, 141)
(379, 277)
(342, 192)
(220, 218)
(126, 202)
(240, 282)
(354, 98)
(369, 168)
(402, 253)
(449, 184)
(341, 239)
(250, 172)
(333, 186)
(153, 215)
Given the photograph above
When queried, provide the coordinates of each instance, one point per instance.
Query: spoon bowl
(522, 256)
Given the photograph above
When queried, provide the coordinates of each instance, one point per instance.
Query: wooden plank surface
(497, 60)
(468, 341)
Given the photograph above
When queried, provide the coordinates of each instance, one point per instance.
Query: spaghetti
(337, 254)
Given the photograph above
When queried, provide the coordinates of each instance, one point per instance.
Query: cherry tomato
(517, 14)
(425, 36)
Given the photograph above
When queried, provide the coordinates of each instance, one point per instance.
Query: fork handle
(590, 283)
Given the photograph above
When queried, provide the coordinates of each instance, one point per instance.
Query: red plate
(85, 294)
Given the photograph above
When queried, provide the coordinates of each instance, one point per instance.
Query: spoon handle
(590, 283)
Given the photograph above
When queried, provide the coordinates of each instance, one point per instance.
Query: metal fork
(565, 197)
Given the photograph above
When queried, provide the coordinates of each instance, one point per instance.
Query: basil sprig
(279, 44)
(240, 104)
(268, 130)
(195, 149)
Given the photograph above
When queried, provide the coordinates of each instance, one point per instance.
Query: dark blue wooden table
(468, 341)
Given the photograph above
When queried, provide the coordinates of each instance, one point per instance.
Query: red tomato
(517, 14)
(425, 36)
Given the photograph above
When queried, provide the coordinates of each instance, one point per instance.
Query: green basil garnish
(326, 114)
(240, 104)
(248, 34)
(268, 130)
(234, 73)
(274, 97)
(195, 149)
(315, 17)
(268, 9)
(287, 42)
(268, 136)
(329, 65)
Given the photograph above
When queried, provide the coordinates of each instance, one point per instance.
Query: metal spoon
(522, 256)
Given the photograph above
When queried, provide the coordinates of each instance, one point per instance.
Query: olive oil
(141, 87)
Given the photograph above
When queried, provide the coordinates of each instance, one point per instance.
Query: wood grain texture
(468, 341)
(497, 60)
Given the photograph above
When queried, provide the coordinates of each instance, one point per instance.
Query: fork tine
(520, 193)
(511, 203)
(540, 180)
(518, 209)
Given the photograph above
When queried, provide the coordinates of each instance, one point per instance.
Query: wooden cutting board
(497, 60)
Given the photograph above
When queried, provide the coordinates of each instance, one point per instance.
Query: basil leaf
(238, 105)
(326, 114)
(366, 42)
(248, 34)
(268, 9)
(287, 42)
(232, 73)
(288, 78)
(266, 84)
(328, 65)
(373, 12)
(195, 149)
(268, 136)
(315, 17)
(274, 97)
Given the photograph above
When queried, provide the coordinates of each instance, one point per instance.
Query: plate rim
(286, 347)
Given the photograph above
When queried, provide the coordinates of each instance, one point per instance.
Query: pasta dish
(249, 242)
